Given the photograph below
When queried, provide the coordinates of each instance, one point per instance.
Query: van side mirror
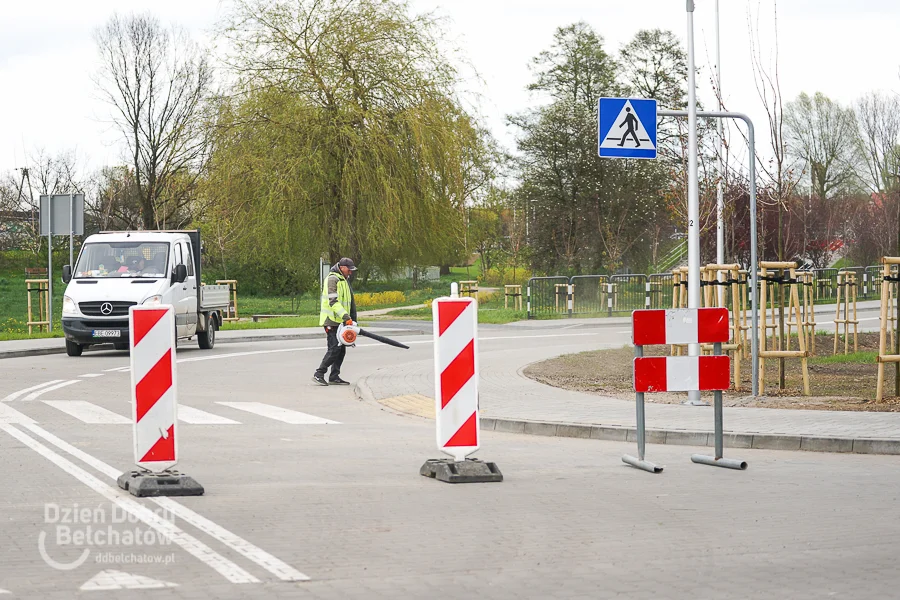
(67, 274)
(180, 274)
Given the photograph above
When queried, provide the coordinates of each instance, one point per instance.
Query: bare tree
(20, 192)
(822, 133)
(779, 171)
(878, 116)
(156, 80)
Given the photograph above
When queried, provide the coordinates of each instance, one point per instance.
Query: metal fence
(661, 289)
(596, 295)
(826, 284)
(629, 293)
(590, 294)
(543, 298)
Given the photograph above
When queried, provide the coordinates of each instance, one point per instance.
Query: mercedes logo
(106, 308)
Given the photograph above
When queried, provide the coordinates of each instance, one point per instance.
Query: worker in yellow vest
(337, 307)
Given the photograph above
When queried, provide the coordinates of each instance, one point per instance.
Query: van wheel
(207, 339)
(73, 349)
(121, 346)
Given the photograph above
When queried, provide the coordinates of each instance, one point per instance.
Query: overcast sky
(841, 48)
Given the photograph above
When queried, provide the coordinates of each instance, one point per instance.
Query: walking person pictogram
(631, 123)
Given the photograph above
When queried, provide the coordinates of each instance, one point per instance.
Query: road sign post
(58, 213)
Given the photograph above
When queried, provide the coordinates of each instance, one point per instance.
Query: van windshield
(123, 259)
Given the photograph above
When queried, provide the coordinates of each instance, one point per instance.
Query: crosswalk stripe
(15, 395)
(10, 415)
(44, 390)
(194, 416)
(291, 417)
(87, 412)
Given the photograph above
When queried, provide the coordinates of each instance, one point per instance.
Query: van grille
(95, 309)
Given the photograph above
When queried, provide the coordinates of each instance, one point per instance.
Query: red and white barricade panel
(153, 387)
(680, 326)
(681, 373)
(456, 375)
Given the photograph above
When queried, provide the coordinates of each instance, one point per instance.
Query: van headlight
(69, 306)
(153, 301)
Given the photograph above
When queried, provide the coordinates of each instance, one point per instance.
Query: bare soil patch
(836, 382)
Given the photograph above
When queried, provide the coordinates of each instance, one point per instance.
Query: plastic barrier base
(168, 483)
(470, 470)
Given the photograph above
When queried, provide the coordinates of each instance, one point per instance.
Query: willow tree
(343, 135)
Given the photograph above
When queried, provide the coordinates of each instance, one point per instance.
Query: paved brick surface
(345, 505)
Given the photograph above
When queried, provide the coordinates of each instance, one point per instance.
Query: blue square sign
(627, 128)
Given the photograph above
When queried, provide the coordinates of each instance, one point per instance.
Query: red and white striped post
(681, 373)
(154, 402)
(456, 375)
(458, 428)
(154, 397)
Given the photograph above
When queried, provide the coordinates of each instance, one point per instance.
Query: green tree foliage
(587, 214)
(342, 136)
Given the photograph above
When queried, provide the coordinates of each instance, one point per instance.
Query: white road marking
(285, 415)
(117, 369)
(376, 345)
(119, 580)
(87, 412)
(229, 570)
(15, 395)
(91, 375)
(195, 416)
(44, 390)
(267, 561)
(10, 415)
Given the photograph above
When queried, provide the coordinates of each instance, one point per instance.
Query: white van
(116, 270)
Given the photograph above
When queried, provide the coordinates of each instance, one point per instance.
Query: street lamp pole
(720, 194)
(693, 225)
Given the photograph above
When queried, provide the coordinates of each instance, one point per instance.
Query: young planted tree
(778, 172)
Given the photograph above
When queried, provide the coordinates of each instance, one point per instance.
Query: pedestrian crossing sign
(626, 128)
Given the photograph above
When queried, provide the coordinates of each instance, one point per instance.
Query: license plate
(104, 333)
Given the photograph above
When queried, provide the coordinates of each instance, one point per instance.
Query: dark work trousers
(334, 357)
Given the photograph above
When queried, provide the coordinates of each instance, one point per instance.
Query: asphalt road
(311, 493)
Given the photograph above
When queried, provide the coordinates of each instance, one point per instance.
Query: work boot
(319, 379)
(337, 381)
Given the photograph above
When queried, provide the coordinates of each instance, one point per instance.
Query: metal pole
(720, 194)
(753, 276)
(71, 228)
(50, 262)
(639, 462)
(693, 225)
(718, 460)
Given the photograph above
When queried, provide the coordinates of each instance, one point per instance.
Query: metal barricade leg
(718, 460)
(639, 462)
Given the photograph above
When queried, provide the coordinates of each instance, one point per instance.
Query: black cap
(346, 262)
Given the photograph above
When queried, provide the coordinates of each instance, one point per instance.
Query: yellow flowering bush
(380, 298)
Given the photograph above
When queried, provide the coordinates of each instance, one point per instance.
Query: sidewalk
(511, 402)
(40, 347)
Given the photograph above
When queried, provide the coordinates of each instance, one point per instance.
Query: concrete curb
(253, 338)
(680, 437)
